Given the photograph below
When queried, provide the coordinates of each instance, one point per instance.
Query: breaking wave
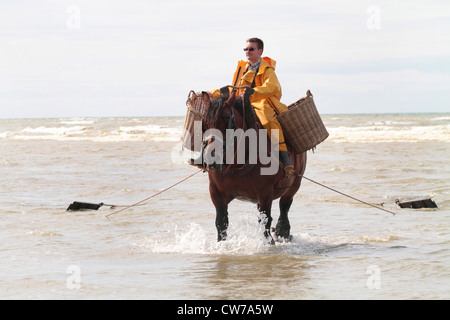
(387, 133)
(97, 131)
(345, 128)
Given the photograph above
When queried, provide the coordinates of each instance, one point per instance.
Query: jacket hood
(271, 62)
(266, 62)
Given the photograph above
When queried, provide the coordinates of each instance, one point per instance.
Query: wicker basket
(302, 126)
(195, 111)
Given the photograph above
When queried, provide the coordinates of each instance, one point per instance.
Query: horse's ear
(231, 99)
(205, 98)
(224, 91)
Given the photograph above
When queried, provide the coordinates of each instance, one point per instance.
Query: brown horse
(245, 180)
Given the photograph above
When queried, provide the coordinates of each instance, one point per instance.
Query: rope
(182, 180)
(154, 195)
(366, 203)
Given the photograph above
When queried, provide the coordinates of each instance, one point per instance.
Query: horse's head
(219, 113)
(222, 114)
(218, 118)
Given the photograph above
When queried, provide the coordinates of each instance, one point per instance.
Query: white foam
(379, 133)
(441, 119)
(77, 121)
(358, 129)
(245, 237)
(5, 134)
(150, 131)
(55, 130)
(90, 133)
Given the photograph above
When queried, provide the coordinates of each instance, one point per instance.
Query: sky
(133, 58)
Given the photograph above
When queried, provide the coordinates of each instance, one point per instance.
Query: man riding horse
(259, 73)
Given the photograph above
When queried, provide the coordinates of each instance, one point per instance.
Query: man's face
(253, 53)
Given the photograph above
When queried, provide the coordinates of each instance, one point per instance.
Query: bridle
(231, 124)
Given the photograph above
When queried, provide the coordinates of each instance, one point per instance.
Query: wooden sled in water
(417, 204)
(77, 206)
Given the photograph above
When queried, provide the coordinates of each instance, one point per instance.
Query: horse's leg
(221, 213)
(221, 221)
(283, 228)
(265, 217)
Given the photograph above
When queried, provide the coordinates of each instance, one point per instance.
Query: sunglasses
(249, 49)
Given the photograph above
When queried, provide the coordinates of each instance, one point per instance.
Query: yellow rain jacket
(266, 98)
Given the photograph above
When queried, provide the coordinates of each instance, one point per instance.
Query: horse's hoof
(280, 236)
(274, 234)
(269, 238)
(222, 236)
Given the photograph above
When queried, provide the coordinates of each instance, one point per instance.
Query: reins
(244, 128)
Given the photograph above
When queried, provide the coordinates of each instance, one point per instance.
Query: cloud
(413, 80)
(128, 58)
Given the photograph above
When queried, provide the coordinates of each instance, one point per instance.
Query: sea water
(167, 249)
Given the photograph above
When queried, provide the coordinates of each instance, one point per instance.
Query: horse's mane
(212, 115)
(212, 112)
